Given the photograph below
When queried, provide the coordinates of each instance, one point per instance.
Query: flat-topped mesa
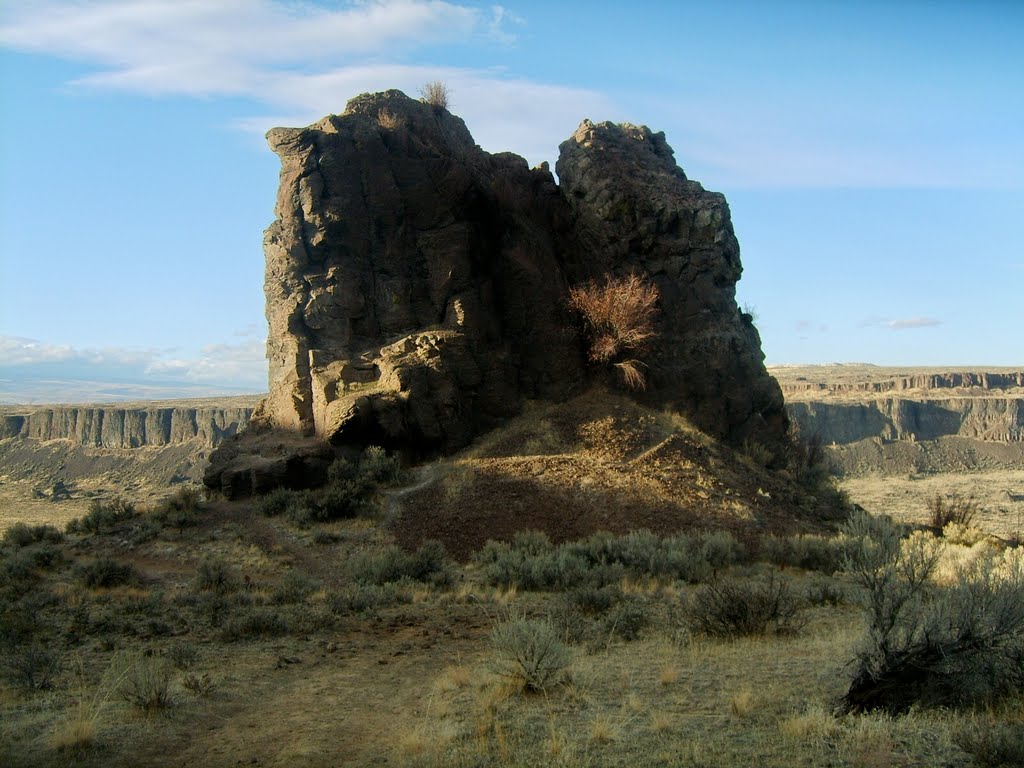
(417, 287)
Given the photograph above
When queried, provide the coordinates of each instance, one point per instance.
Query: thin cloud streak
(901, 324)
(913, 322)
(234, 366)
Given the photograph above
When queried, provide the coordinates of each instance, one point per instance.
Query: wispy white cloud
(236, 367)
(913, 322)
(303, 61)
(901, 324)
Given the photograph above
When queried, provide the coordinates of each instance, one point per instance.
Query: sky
(872, 154)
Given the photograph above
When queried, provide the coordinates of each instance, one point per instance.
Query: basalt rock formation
(125, 427)
(417, 286)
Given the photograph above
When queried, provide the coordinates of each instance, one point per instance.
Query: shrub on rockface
(618, 317)
(436, 94)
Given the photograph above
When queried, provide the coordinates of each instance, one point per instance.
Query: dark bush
(145, 681)
(295, 587)
(926, 644)
(181, 509)
(827, 554)
(627, 620)
(215, 575)
(22, 535)
(737, 607)
(275, 502)
(256, 622)
(593, 601)
(34, 667)
(105, 572)
(103, 515)
(956, 509)
(363, 598)
(391, 564)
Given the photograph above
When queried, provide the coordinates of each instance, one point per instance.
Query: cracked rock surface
(416, 286)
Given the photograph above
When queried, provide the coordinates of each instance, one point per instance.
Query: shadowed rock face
(416, 285)
(636, 210)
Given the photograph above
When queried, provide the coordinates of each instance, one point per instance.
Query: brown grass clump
(388, 120)
(435, 93)
(619, 317)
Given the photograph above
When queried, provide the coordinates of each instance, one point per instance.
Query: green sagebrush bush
(254, 622)
(103, 515)
(530, 561)
(428, 564)
(827, 554)
(530, 652)
(929, 644)
(21, 535)
(348, 492)
(105, 572)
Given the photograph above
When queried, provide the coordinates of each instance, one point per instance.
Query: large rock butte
(416, 286)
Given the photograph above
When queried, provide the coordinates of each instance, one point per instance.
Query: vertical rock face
(636, 210)
(414, 289)
(416, 285)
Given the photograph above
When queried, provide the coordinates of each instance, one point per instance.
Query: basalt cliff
(900, 421)
(417, 288)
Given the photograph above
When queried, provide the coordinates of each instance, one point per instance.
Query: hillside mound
(600, 462)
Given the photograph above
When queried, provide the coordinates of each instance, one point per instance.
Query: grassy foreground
(204, 634)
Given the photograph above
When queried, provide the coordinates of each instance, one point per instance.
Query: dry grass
(743, 704)
(388, 120)
(436, 94)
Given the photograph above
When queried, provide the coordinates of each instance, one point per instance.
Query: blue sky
(872, 154)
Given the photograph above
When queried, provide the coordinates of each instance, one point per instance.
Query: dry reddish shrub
(619, 317)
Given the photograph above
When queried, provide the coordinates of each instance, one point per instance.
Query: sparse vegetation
(103, 515)
(241, 613)
(992, 744)
(618, 317)
(145, 681)
(33, 667)
(957, 510)
(105, 572)
(743, 607)
(929, 644)
(530, 653)
(436, 94)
